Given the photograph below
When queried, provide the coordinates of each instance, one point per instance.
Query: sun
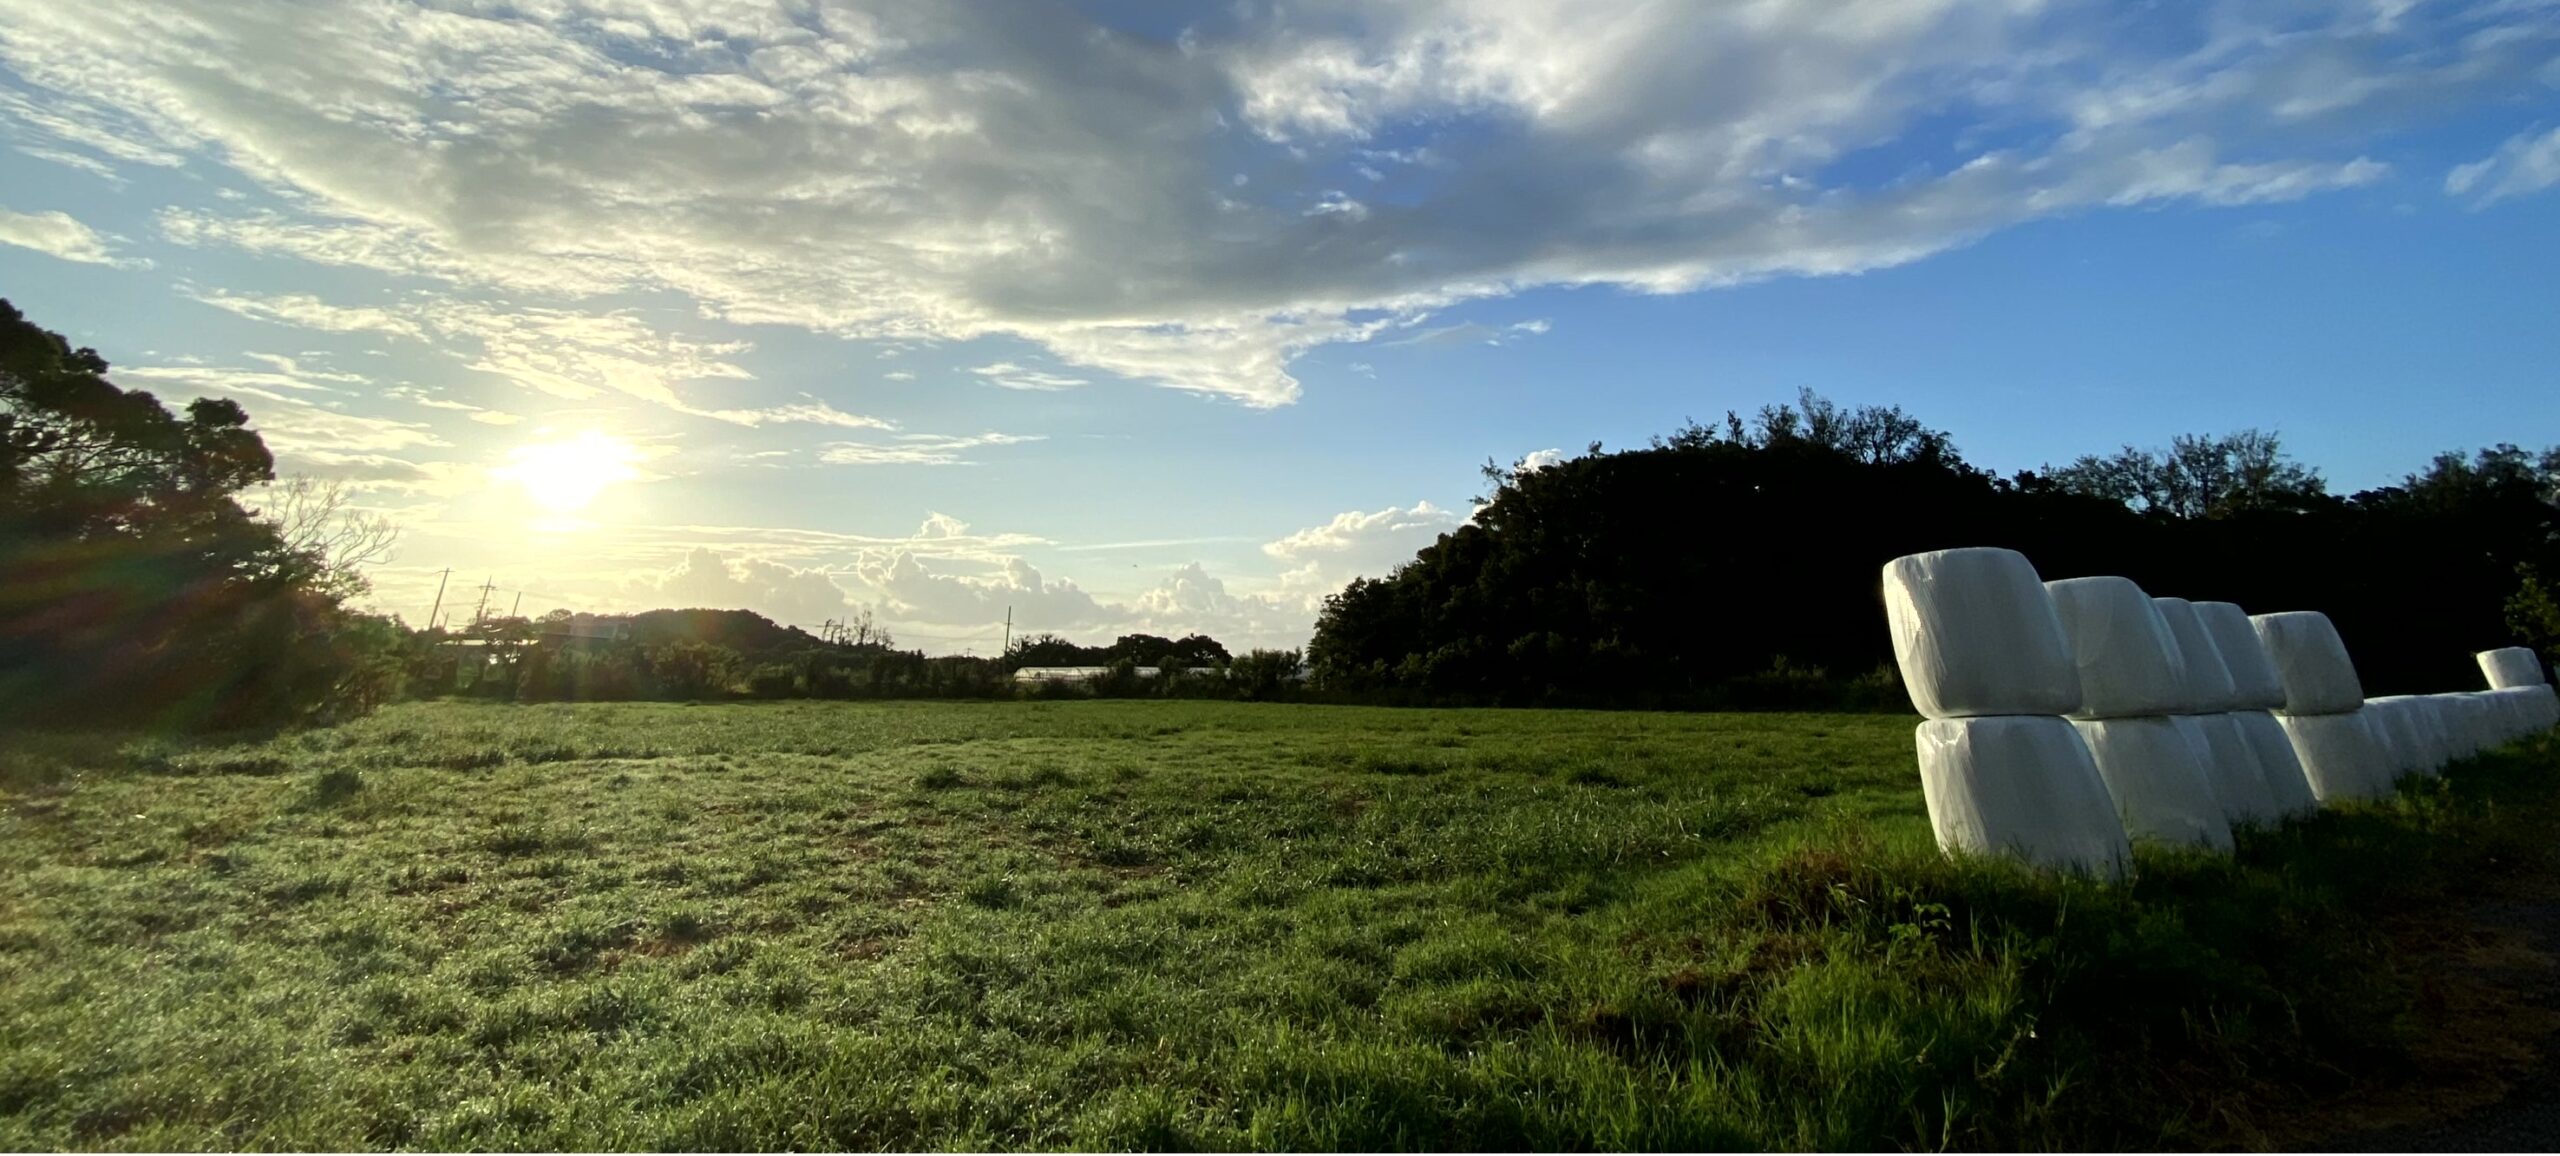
(564, 475)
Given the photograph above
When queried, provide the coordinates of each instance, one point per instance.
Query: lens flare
(564, 475)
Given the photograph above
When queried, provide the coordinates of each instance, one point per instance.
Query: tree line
(1737, 564)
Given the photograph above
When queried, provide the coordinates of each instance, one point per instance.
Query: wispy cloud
(894, 171)
(1011, 376)
(917, 449)
(55, 234)
(2524, 165)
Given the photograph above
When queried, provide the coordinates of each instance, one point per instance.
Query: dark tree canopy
(134, 587)
(1663, 575)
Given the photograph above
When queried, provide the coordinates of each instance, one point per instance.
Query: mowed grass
(1153, 924)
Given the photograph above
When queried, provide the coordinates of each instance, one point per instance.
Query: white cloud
(954, 171)
(913, 591)
(54, 234)
(1366, 542)
(2525, 164)
(309, 312)
(916, 449)
(1541, 459)
(705, 580)
(810, 412)
(1011, 376)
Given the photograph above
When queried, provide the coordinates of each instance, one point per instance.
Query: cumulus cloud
(1359, 542)
(54, 234)
(706, 580)
(2525, 164)
(912, 590)
(1541, 459)
(952, 171)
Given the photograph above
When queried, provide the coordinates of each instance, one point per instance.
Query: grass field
(1153, 924)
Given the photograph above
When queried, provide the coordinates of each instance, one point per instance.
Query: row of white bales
(2069, 718)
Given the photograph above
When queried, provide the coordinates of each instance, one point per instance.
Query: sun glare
(564, 475)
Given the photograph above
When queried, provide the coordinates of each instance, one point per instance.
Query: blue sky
(1153, 317)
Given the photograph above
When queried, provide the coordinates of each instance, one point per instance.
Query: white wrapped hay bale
(2402, 748)
(2436, 725)
(2277, 762)
(2255, 684)
(2231, 766)
(2160, 786)
(1975, 634)
(2546, 706)
(2128, 662)
(2339, 755)
(2022, 786)
(2526, 709)
(2411, 732)
(2210, 689)
(2312, 662)
(2469, 721)
(2510, 666)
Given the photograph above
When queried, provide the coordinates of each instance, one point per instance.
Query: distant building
(582, 633)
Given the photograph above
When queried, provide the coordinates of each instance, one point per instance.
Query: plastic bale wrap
(2524, 708)
(2231, 765)
(2254, 682)
(2413, 732)
(2210, 689)
(2471, 726)
(2436, 723)
(1975, 635)
(2510, 666)
(2022, 786)
(2277, 761)
(2390, 723)
(2161, 789)
(2312, 662)
(2546, 706)
(2129, 663)
(2339, 755)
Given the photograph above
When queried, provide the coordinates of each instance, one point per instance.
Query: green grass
(1155, 924)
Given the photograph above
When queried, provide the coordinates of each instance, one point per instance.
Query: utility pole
(440, 581)
(517, 610)
(483, 609)
(1008, 631)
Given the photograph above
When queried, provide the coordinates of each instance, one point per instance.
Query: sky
(1121, 316)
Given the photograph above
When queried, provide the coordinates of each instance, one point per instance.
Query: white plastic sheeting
(2161, 788)
(2254, 683)
(2022, 786)
(2232, 767)
(2312, 661)
(2410, 731)
(2339, 755)
(2277, 761)
(2510, 666)
(2528, 709)
(2129, 663)
(1975, 635)
(2210, 689)
(2402, 749)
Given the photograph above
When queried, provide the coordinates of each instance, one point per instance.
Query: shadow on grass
(1974, 1004)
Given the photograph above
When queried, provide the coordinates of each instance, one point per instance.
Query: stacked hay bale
(2517, 685)
(2258, 691)
(2211, 695)
(2133, 680)
(2410, 730)
(2323, 712)
(1983, 656)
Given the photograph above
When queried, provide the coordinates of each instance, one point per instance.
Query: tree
(133, 585)
(318, 520)
(2197, 476)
